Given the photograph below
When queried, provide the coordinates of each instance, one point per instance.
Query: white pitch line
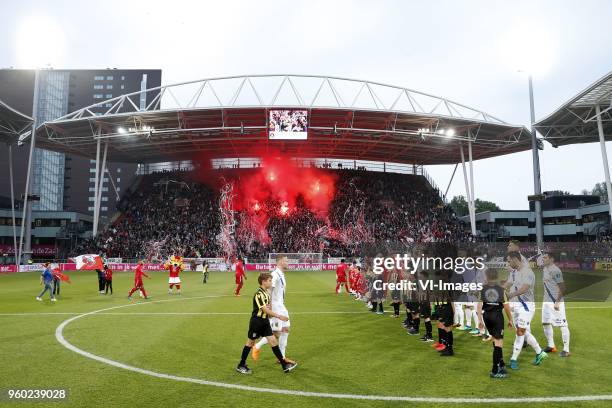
(59, 335)
(214, 313)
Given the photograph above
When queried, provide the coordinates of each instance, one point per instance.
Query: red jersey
(174, 271)
(138, 274)
(341, 273)
(239, 272)
(108, 274)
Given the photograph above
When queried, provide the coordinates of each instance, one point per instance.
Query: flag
(57, 272)
(88, 262)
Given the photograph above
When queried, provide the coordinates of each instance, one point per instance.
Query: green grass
(356, 352)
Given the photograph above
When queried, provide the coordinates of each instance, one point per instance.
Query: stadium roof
(576, 120)
(12, 124)
(228, 117)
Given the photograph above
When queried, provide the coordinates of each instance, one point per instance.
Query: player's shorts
(259, 327)
(276, 323)
(396, 295)
(552, 316)
(445, 314)
(412, 306)
(425, 309)
(494, 322)
(174, 279)
(523, 314)
(459, 305)
(469, 305)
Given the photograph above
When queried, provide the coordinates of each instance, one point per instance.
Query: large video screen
(288, 124)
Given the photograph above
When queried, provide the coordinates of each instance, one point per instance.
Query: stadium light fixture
(450, 132)
(121, 130)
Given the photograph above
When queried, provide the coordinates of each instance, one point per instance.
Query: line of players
(515, 297)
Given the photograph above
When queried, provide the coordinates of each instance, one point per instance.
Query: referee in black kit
(259, 326)
(493, 300)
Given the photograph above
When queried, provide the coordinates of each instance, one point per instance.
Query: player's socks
(245, 353)
(518, 346)
(428, 328)
(261, 343)
(468, 318)
(497, 358)
(548, 333)
(533, 342)
(416, 323)
(380, 307)
(279, 355)
(374, 304)
(282, 342)
(565, 336)
(396, 308)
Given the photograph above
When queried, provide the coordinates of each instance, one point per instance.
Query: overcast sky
(463, 50)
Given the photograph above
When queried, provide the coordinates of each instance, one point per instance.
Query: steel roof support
(96, 183)
(26, 221)
(10, 152)
(604, 157)
(468, 190)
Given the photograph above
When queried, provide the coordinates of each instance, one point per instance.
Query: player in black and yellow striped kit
(259, 326)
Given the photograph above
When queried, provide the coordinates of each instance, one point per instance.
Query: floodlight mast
(537, 185)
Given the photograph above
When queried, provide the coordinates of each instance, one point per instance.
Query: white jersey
(277, 292)
(517, 279)
(552, 277)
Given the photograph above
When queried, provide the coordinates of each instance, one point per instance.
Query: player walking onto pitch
(553, 306)
(240, 276)
(279, 327)
(341, 270)
(521, 285)
(492, 301)
(259, 326)
(138, 285)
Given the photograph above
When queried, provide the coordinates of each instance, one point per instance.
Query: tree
(601, 191)
(460, 206)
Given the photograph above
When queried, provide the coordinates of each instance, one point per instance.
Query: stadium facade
(565, 218)
(65, 181)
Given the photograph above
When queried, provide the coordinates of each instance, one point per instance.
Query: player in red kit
(240, 277)
(174, 268)
(138, 285)
(352, 273)
(341, 276)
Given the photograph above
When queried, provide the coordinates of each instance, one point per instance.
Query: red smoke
(282, 181)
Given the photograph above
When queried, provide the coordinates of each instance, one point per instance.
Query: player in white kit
(521, 287)
(279, 327)
(553, 306)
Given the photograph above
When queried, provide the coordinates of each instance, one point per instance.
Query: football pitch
(181, 350)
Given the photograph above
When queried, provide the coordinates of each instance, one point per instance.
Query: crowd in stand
(169, 214)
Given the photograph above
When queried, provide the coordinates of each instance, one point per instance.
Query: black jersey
(493, 298)
(260, 299)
